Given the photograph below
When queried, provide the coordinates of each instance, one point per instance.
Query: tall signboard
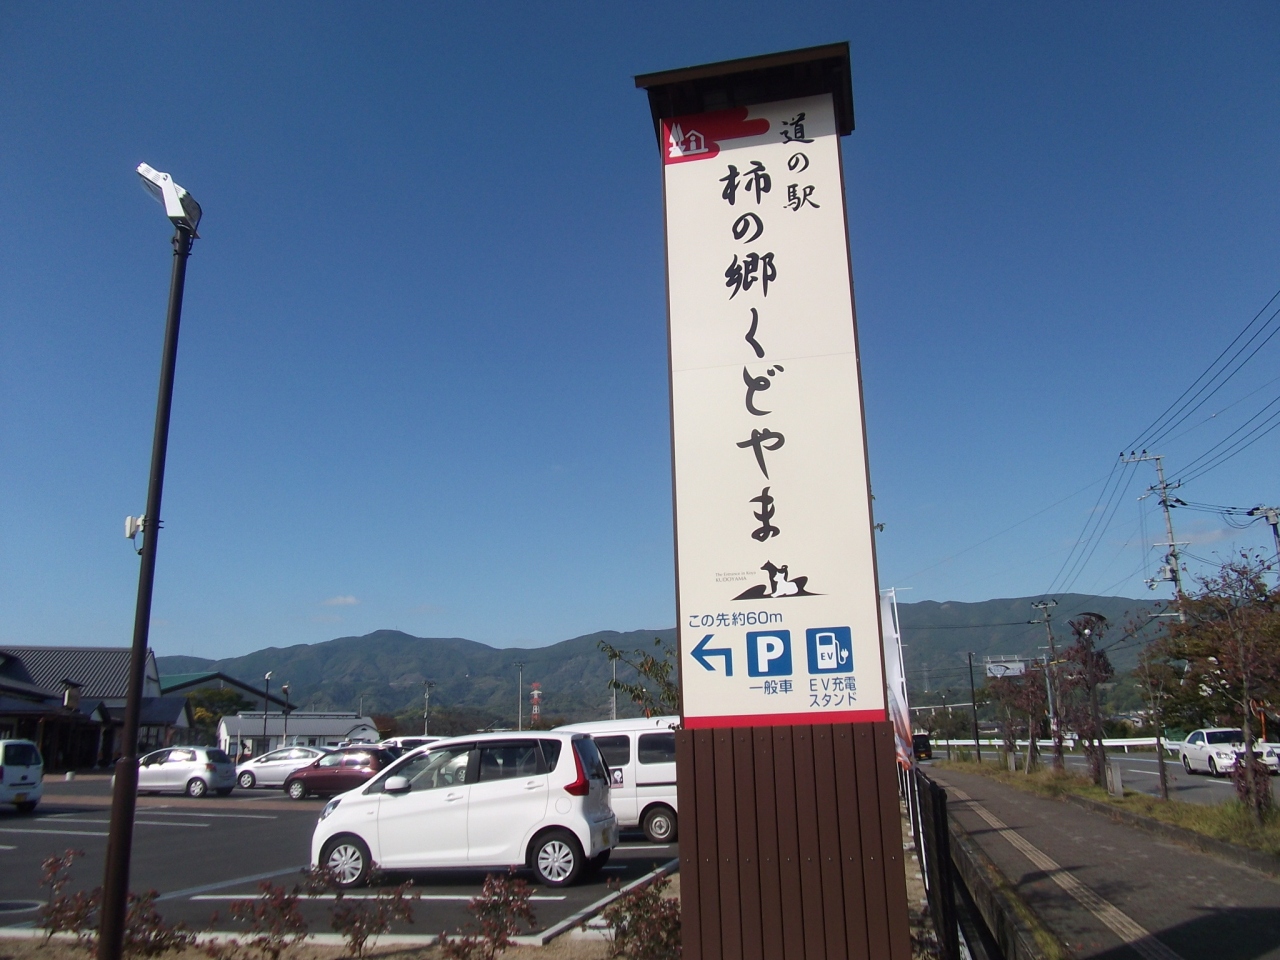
(790, 835)
(778, 602)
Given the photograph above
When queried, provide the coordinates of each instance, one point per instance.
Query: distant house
(70, 701)
(306, 728)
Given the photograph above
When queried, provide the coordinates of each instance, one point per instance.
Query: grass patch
(1228, 821)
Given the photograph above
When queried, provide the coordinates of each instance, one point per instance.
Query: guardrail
(1171, 746)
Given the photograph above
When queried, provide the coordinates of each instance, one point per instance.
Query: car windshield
(1225, 736)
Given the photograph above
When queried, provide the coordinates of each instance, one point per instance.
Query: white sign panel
(777, 589)
(1006, 668)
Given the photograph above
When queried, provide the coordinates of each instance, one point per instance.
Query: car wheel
(247, 780)
(660, 825)
(27, 806)
(297, 789)
(347, 860)
(596, 864)
(1186, 765)
(1213, 767)
(556, 858)
(196, 787)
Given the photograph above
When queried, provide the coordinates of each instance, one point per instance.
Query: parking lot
(200, 855)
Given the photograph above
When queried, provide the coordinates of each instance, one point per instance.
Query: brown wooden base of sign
(791, 844)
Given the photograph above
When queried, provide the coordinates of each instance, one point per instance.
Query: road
(200, 855)
(1141, 772)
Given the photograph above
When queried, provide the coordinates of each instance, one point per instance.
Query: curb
(586, 913)
(1011, 922)
(1257, 859)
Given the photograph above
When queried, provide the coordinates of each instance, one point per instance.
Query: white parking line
(201, 813)
(60, 833)
(203, 888)
(148, 823)
(5, 846)
(644, 846)
(451, 897)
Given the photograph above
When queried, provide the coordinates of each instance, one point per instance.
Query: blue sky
(422, 376)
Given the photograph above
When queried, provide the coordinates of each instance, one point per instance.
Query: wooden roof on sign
(752, 80)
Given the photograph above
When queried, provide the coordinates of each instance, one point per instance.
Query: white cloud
(344, 601)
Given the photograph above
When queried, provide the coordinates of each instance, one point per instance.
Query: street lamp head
(179, 206)
(268, 676)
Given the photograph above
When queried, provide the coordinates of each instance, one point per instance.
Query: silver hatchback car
(272, 769)
(190, 770)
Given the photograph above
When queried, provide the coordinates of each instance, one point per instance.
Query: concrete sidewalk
(1112, 891)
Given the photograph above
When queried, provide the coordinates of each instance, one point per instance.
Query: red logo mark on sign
(698, 137)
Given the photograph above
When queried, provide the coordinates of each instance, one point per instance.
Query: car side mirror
(396, 785)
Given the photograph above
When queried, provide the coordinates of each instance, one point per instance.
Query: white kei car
(1214, 750)
(534, 799)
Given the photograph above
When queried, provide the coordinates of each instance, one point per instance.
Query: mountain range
(384, 671)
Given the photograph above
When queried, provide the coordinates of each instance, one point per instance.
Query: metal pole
(266, 693)
(426, 710)
(973, 703)
(519, 696)
(1173, 546)
(284, 737)
(613, 692)
(115, 884)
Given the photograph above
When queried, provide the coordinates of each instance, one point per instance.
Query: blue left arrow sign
(701, 652)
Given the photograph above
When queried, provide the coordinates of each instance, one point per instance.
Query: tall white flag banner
(776, 576)
(895, 679)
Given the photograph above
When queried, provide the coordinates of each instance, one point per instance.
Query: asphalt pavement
(1112, 891)
(201, 855)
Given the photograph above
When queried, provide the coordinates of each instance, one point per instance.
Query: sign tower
(791, 843)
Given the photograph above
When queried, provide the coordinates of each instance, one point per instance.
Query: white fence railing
(1171, 746)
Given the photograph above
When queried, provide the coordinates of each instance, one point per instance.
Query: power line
(1165, 421)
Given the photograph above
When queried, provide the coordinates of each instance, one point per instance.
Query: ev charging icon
(830, 650)
(769, 653)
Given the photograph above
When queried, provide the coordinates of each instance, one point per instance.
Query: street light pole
(184, 212)
(426, 710)
(266, 704)
(284, 737)
(973, 702)
(519, 696)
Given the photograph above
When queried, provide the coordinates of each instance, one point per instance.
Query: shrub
(645, 925)
(503, 902)
(273, 918)
(146, 934)
(77, 913)
(358, 920)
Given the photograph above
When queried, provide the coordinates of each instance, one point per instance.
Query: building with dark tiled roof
(70, 701)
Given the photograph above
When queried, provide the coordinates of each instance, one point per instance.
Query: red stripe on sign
(698, 137)
(785, 719)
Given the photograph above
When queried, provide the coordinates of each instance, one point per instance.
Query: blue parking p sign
(769, 653)
(830, 650)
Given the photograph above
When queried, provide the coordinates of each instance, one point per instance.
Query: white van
(641, 755)
(21, 774)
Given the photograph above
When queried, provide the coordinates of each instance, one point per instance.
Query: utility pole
(613, 692)
(1044, 606)
(1272, 515)
(426, 709)
(519, 695)
(973, 703)
(1172, 569)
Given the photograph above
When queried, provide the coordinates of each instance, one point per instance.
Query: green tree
(210, 704)
(656, 689)
(1229, 653)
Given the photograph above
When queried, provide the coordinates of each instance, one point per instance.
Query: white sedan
(272, 769)
(1214, 750)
